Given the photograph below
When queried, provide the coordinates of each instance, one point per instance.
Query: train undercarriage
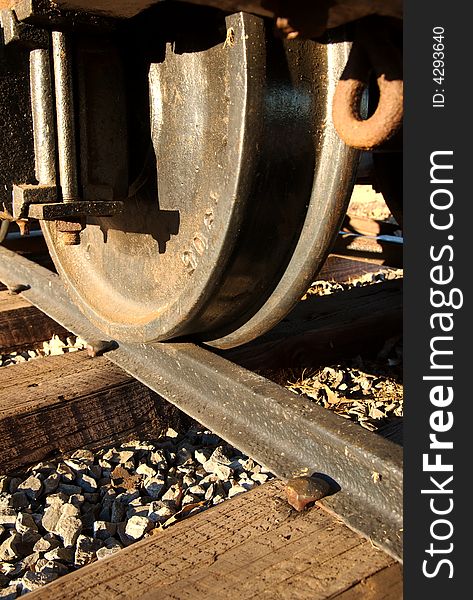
(190, 165)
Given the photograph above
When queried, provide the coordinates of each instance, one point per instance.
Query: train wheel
(247, 184)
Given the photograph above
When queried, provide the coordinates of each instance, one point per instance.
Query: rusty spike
(301, 491)
(99, 347)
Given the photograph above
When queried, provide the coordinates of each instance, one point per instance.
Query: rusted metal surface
(302, 491)
(43, 117)
(99, 347)
(66, 121)
(372, 50)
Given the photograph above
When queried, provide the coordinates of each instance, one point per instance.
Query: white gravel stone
(51, 482)
(68, 529)
(34, 581)
(158, 460)
(52, 513)
(249, 464)
(106, 552)
(89, 515)
(202, 455)
(171, 497)
(171, 433)
(154, 486)
(189, 499)
(75, 465)
(104, 529)
(125, 455)
(68, 524)
(5, 500)
(46, 543)
(85, 456)
(9, 593)
(196, 490)
(66, 473)
(160, 512)
(7, 517)
(32, 487)
(136, 527)
(86, 549)
(25, 522)
(235, 490)
(259, 477)
(210, 491)
(87, 483)
(147, 471)
(9, 547)
(62, 554)
(223, 472)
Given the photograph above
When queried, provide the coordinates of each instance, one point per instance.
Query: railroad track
(287, 434)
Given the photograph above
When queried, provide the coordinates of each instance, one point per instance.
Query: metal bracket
(71, 210)
(15, 32)
(34, 202)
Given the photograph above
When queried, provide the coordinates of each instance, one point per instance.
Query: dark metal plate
(246, 185)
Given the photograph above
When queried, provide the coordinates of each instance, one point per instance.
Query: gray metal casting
(42, 105)
(64, 88)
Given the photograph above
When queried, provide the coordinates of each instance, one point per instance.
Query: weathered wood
(23, 325)
(323, 329)
(384, 585)
(253, 545)
(368, 248)
(342, 269)
(366, 226)
(61, 403)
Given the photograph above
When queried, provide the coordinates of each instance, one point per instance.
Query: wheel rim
(242, 141)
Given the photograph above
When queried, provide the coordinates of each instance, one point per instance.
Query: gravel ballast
(63, 514)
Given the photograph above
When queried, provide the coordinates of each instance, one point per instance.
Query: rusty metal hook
(369, 53)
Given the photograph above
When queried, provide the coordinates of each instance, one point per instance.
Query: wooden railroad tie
(250, 546)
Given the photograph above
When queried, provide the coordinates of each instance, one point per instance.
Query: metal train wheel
(246, 185)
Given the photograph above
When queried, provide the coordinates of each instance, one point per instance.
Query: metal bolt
(69, 238)
(69, 232)
(23, 226)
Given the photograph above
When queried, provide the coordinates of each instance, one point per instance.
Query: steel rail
(286, 433)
